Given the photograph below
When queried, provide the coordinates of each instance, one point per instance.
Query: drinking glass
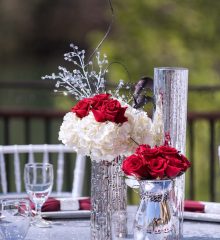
(38, 178)
(15, 219)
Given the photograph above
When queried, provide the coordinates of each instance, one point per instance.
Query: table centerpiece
(104, 126)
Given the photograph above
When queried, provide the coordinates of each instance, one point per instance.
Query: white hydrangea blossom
(106, 141)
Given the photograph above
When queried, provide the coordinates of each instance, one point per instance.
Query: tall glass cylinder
(108, 195)
(171, 87)
(171, 84)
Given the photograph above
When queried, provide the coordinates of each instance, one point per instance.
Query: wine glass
(38, 178)
(15, 219)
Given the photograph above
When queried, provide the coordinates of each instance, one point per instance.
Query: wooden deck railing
(48, 117)
(212, 119)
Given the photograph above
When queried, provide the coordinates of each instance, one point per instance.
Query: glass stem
(38, 210)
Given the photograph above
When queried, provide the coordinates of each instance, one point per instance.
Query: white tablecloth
(79, 229)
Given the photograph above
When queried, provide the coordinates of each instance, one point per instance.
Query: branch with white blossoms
(122, 92)
(83, 81)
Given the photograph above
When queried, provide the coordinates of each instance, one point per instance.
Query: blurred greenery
(145, 34)
(149, 33)
(153, 33)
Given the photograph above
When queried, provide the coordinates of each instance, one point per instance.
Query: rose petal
(98, 115)
(172, 171)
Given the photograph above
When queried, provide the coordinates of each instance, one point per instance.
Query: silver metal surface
(108, 194)
(156, 216)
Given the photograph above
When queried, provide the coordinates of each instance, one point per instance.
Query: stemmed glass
(15, 219)
(38, 178)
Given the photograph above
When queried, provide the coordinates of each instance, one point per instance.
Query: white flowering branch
(83, 81)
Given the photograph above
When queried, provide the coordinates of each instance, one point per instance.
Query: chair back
(46, 149)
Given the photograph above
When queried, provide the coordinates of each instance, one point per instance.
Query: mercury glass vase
(108, 195)
(171, 86)
(156, 215)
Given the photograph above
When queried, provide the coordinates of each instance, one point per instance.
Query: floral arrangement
(159, 162)
(103, 128)
(102, 125)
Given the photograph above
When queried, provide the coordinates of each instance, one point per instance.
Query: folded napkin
(66, 204)
(194, 206)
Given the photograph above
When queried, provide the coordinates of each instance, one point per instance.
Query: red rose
(114, 112)
(157, 167)
(91, 101)
(167, 150)
(141, 148)
(186, 163)
(82, 108)
(176, 165)
(134, 166)
(156, 163)
(109, 110)
(102, 96)
(99, 99)
(147, 152)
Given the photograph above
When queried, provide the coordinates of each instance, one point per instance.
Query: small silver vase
(156, 215)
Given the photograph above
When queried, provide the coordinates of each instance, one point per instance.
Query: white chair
(45, 149)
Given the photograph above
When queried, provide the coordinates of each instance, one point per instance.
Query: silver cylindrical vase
(171, 85)
(108, 195)
(171, 88)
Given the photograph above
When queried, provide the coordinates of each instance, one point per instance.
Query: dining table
(77, 228)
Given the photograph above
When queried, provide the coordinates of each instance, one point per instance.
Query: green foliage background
(153, 33)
